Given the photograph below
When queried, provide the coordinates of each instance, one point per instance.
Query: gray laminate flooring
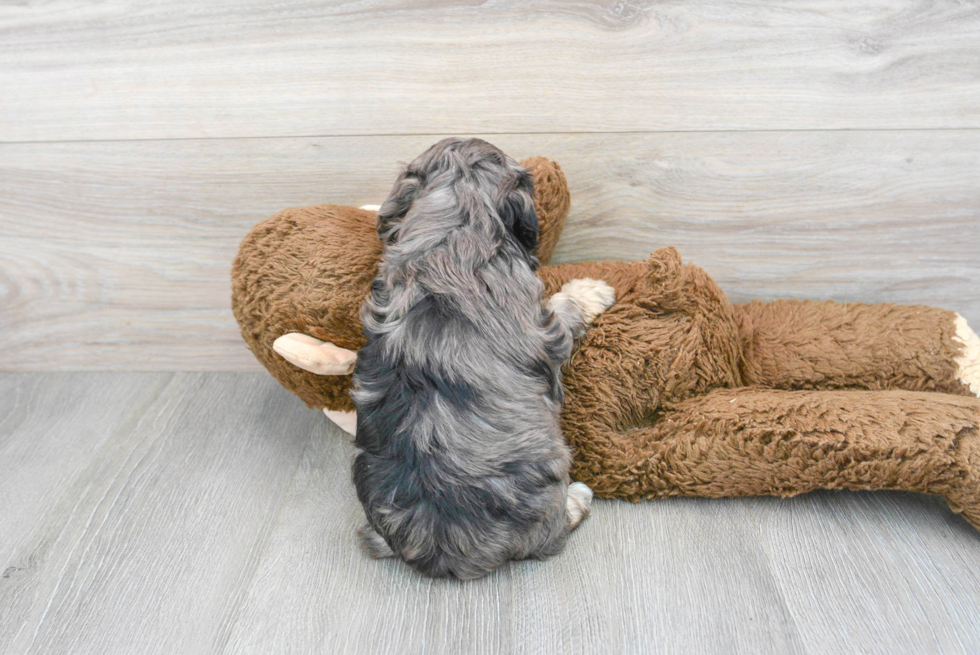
(212, 513)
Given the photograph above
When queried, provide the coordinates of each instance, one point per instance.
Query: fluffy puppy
(461, 463)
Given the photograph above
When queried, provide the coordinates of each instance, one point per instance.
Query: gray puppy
(461, 463)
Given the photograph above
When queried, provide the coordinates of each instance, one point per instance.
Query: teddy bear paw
(592, 296)
(968, 363)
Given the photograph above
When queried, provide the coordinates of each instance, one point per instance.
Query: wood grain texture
(124, 70)
(874, 572)
(651, 578)
(150, 548)
(682, 576)
(38, 462)
(116, 256)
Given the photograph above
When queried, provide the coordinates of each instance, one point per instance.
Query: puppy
(461, 463)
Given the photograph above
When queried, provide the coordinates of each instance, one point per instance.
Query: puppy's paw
(578, 505)
(373, 543)
(592, 296)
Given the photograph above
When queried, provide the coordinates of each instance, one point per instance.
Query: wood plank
(152, 546)
(125, 70)
(875, 572)
(657, 577)
(37, 411)
(116, 256)
(672, 576)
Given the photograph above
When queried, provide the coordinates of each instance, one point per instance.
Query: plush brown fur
(659, 402)
(674, 390)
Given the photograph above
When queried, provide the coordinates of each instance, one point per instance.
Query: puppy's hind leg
(373, 543)
(578, 505)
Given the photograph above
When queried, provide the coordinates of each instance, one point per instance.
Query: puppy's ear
(518, 213)
(406, 191)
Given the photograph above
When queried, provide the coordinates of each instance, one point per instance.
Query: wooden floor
(212, 513)
(793, 148)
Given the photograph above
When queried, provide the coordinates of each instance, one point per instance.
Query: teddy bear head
(301, 276)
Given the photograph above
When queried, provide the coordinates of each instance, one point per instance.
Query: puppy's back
(462, 464)
(459, 468)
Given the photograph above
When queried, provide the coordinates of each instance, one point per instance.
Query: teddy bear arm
(801, 344)
(750, 441)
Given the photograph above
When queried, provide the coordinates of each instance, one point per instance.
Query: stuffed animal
(673, 391)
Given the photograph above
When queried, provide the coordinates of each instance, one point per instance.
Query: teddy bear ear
(315, 356)
(551, 202)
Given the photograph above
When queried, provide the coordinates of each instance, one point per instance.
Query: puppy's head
(464, 179)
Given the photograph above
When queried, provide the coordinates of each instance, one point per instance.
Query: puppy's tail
(373, 543)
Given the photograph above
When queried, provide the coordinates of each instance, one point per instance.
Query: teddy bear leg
(749, 442)
(801, 344)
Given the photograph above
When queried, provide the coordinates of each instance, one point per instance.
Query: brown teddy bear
(674, 391)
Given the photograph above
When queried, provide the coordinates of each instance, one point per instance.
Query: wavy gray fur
(461, 464)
